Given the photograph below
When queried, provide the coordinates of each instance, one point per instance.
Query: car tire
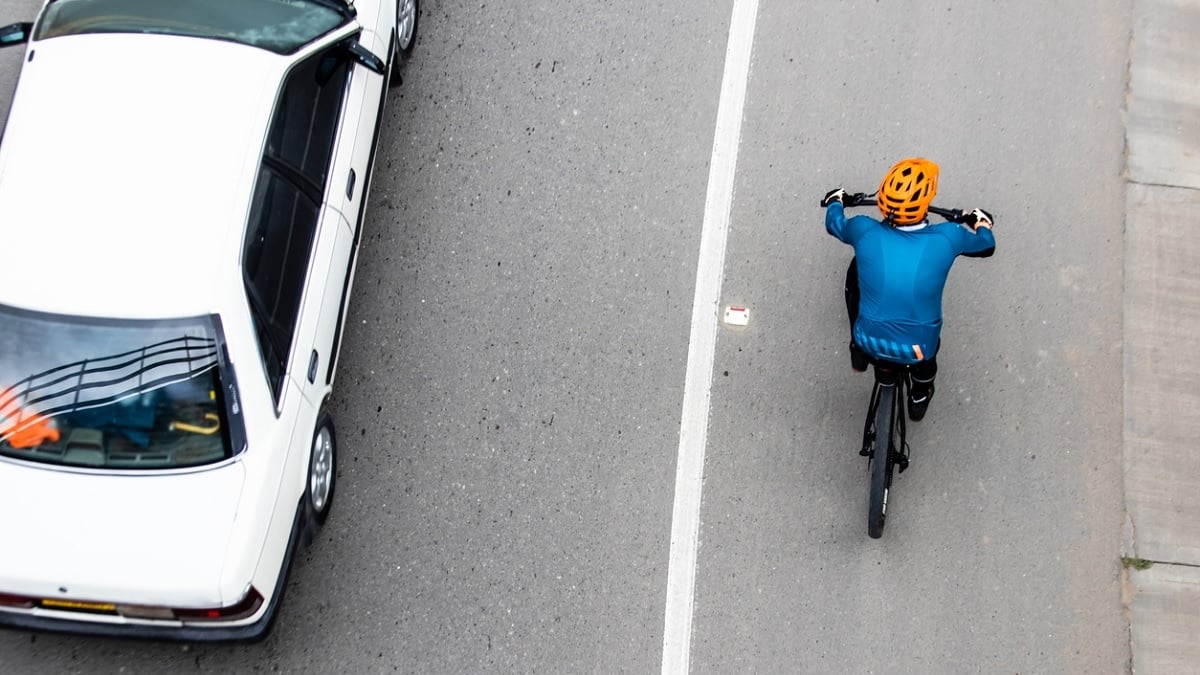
(407, 13)
(322, 469)
(405, 37)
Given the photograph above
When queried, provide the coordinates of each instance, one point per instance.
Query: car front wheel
(406, 27)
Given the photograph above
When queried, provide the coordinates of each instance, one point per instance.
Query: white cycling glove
(835, 195)
(978, 218)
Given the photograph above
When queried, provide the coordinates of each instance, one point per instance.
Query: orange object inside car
(23, 430)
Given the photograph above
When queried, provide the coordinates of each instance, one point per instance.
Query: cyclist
(895, 280)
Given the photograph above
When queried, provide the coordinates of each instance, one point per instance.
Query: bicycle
(888, 407)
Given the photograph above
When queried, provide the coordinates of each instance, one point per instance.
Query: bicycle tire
(881, 462)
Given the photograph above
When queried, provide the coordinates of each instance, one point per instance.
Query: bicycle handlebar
(864, 199)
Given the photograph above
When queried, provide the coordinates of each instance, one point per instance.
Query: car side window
(286, 204)
(301, 135)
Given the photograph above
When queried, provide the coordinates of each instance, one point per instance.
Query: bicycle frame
(885, 415)
(889, 375)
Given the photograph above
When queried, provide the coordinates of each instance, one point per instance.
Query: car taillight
(246, 607)
(18, 601)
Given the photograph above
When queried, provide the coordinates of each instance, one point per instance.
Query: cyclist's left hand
(977, 218)
(834, 195)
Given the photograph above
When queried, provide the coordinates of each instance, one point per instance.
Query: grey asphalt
(509, 390)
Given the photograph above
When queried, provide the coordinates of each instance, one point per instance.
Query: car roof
(126, 170)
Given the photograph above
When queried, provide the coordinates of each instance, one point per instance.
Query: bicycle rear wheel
(881, 461)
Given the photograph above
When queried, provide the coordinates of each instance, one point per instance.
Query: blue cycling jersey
(901, 275)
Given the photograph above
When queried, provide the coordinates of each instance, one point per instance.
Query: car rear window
(281, 26)
(115, 394)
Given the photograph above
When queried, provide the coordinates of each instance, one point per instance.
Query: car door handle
(312, 367)
(350, 185)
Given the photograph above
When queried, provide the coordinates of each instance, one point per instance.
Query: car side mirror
(15, 34)
(365, 57)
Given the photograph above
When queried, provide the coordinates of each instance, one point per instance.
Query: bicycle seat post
(887, 374)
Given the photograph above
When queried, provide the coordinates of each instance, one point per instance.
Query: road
(510, 387)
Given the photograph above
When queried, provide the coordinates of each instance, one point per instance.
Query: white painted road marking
(693, 427)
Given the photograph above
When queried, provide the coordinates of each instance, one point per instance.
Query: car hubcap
(322, 468)
(406, 20)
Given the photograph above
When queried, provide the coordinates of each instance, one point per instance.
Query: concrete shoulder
(1162, 375)
(1162, 335)
(1164, 99)
(1166, 608)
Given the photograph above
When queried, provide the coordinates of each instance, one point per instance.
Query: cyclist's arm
(978, 244)
(837, 224)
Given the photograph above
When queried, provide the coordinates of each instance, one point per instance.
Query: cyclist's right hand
(834, 195)
(977, 218)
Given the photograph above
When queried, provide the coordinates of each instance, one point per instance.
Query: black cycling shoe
(917, 405)
(858, 358)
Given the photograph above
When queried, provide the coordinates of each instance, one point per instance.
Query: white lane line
(693, 427)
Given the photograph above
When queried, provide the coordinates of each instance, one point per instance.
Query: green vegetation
(1136, 563)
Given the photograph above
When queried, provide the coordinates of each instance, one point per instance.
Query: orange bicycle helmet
(907, 191)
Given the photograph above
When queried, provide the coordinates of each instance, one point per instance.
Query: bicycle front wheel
(881, 464)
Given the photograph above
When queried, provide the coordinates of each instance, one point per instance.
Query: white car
(182, 189)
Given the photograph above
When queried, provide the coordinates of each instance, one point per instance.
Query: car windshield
(281, 26)
(115, 394)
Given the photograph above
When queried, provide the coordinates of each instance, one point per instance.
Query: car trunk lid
(149, 539)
